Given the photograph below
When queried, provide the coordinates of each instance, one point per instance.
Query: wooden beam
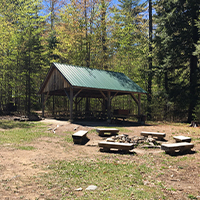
(77, 93)
(103, 95)
(100, 100)
(109, 106)
(68, 96)
(113, 96)
(134, 98)
(139, 104)
(42, 104)
(79, 100)
(46, 98)
(71, 103)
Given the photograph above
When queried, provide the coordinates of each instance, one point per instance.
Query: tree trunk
(193, 68)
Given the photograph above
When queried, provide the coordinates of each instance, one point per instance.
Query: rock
(17, 119)
(91, 187)
(152, 144)
(110, 140)
(151, 139)
(76, 128)
(140, 141)
(34, 117)
(79, 189)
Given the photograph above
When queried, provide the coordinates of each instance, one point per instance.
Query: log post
(71, 104)
(109, 107)
(42, 104)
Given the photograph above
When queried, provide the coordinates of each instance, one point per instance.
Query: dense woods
(103, 34)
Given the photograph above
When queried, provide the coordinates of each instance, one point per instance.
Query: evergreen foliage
(176, 37)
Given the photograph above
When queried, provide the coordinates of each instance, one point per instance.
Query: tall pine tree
(177, 35)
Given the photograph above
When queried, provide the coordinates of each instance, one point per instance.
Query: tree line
(103, 34)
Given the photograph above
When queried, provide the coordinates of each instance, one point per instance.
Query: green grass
(190, 196)
(114, 180)
(28, 148)
(21, 132)
(68, 137)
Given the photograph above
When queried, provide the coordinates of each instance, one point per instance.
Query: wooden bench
(181, 147)
(79, 137)
(112, 131)
(182, 138)
(160, 136)
(116, 145)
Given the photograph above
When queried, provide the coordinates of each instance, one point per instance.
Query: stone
(110, 140)
(79, 189)
(91, 187)
(150, 139)
(151, 143)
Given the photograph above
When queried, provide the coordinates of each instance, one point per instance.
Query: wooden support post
(134, 98)
(109, 106)
(76, 104)
(71, 104)
(139, 108)
(42, 104)
(139, 104)
(53, 112)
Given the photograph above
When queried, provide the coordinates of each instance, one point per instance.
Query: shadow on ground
(100, 123)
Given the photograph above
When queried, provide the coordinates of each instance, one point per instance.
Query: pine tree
(130, 40)
(177, 35)
(23, 56)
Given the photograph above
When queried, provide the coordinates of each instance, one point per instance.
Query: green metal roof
(97, 79)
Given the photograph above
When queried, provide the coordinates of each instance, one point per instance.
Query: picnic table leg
(170, 152)
(106, 149)
(160, 138)
(101, 133)
(185, 150)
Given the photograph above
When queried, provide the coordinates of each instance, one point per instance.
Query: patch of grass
(160, 174)
(184, 158)
(171, 189)
(180, 167)
(115, 180)
(92, 131)
(22, 132)
(68, 136)
(10, 124)
(190, 196)
(28, 148)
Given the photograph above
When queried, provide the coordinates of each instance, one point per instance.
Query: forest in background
(108, 35)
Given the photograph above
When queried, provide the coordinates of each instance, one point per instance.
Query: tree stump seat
(79, 137)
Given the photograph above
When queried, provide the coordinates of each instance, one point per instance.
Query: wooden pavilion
(81, 82)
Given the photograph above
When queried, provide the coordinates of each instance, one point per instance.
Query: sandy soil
(18, 166)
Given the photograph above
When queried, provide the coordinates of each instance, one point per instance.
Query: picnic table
(160, 136)
(102, 131)
(181, 147)
(181, 138)
(116, 145)
(79, 137)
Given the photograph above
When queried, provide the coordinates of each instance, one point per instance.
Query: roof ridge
(87, 67)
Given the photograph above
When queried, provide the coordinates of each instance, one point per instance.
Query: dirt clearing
(180, 175)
